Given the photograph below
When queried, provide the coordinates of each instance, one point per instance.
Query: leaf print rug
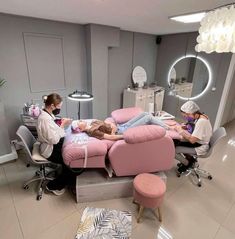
(102, 223)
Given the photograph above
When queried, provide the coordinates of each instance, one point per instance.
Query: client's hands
(114, 128)
(178, 128)
(65, 122)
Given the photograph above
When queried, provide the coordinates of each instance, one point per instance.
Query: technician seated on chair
(196, 142)
(51, 137)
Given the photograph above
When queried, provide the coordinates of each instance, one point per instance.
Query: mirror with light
(189, 77)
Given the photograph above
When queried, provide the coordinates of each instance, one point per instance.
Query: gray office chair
(34, 157)
(195, 170)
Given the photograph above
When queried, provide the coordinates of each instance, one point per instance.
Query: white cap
(74, 125)
(190, 107)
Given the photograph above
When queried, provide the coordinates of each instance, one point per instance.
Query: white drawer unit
(143, 98)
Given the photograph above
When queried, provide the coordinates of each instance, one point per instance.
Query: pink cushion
(109, 143)
(143, 133)
(149, 185)
(109, 120)
(173, 134)
(123, 115)
(170, 122)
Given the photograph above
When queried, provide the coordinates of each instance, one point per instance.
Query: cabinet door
(129, 99)
(140, 100)
(159, 100)
(149, 99)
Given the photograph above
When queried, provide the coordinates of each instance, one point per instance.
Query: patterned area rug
(104, 223)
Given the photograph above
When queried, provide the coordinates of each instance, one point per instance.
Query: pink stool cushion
(143, 133)
(149, 185)
(123, 115)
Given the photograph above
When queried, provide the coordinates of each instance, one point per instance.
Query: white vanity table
(143, 98)
(149, 99)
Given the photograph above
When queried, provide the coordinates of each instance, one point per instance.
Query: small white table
(163, 115)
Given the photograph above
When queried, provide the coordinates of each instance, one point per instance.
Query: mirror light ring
(209, 80)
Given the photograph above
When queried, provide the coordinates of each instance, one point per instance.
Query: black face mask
(55, 111)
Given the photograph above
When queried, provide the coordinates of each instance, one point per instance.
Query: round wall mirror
(189, 77)
(139, 76)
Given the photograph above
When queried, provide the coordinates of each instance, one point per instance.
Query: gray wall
(135, 49)
(5, 147)
(145, 53)
(38, 57)
(101, 38)
(177, 45)
(229, 111)
(20, 75)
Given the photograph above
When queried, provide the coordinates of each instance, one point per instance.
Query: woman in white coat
(51, 136)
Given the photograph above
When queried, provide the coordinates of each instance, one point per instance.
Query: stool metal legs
(158, 214)
(140, 213)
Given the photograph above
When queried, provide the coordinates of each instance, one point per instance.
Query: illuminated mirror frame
(209, 80)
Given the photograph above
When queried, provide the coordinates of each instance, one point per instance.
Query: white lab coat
(49, 133)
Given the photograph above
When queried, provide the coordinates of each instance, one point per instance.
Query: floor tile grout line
(59, 221)
(217, 231)
(13, 201)
(178, 188)
(205, 214)
(227, 215)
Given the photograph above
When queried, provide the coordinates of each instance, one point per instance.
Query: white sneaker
(56, 192)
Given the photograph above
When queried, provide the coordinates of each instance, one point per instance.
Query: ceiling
(147, 16)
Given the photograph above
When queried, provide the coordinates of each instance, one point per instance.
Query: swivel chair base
(42, 176)
(197, 173)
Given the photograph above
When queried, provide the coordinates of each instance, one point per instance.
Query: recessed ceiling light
(189, 18)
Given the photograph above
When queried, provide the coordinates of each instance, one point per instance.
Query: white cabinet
(143, 98)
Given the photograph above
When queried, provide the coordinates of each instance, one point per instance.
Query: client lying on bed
(103, 130)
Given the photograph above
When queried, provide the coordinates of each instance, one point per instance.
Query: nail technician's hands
(65, 122)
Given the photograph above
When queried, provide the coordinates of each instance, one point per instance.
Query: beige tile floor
(188, 211)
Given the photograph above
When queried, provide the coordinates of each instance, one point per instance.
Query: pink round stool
(149, 191)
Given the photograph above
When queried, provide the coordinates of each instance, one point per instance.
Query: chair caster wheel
(39, 197)
(26, 187)
(178, 175)
(199, 184)
(210, 177)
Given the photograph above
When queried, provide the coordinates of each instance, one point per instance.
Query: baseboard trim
(9, 157)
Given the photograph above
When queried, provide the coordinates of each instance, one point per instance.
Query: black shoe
(179, 165)
(56, 191)
(192, 162)
(182, 168)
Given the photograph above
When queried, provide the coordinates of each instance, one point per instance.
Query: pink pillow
(123, 115)
(143, 133)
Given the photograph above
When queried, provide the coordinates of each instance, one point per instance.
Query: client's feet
(57, 192)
